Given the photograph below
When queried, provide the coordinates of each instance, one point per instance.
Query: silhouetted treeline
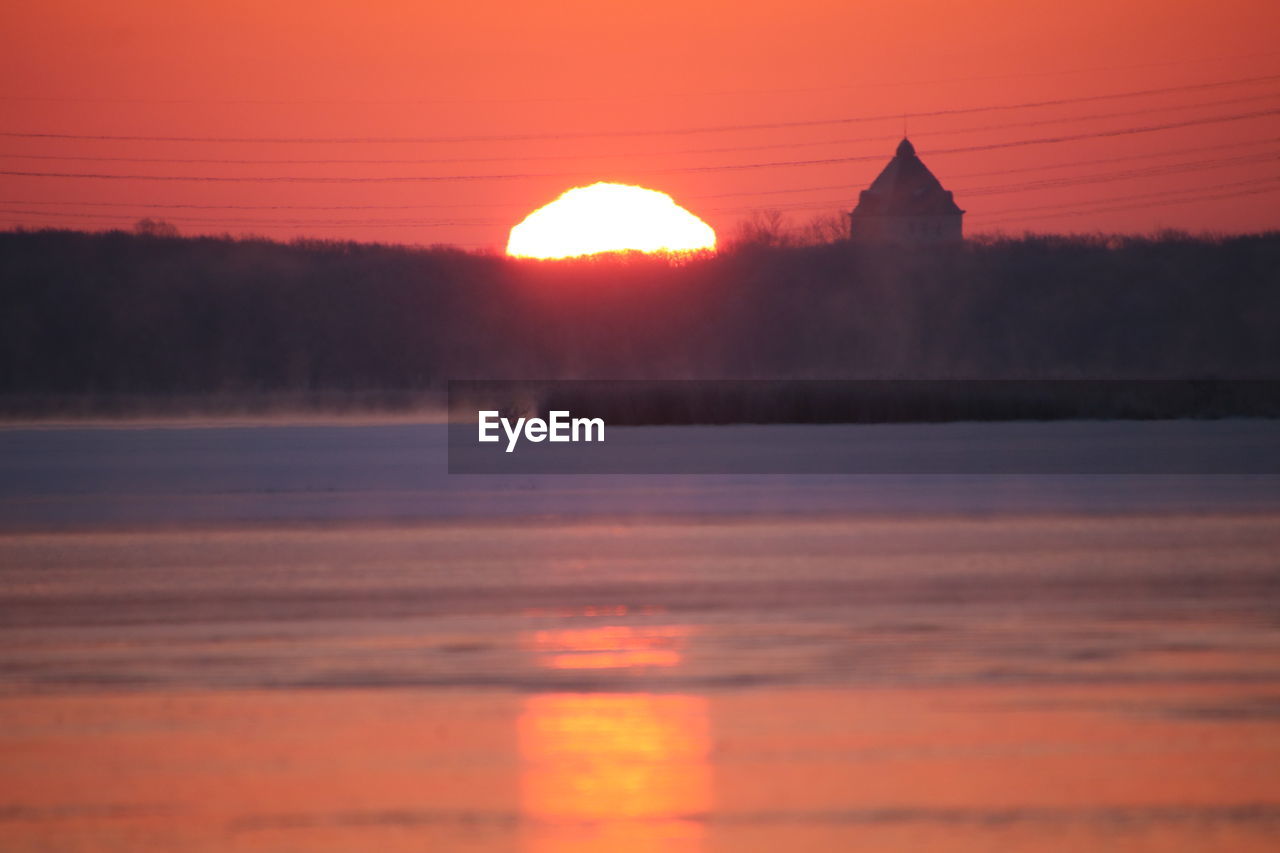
(117, 313)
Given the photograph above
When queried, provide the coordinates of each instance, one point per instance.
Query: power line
(1152, 171)
(1263, 185)
(1108, 177)
(847, 187)
(648, 132)
(1143, 205)
(1182, 167)
(1175, 197)
(1146, 155)
(317, 222)
(167, 206)
(108, 224)
(1175, 167)
(1005, 189)
(1251, 182)
(1050, 140)
(375, 179)
(230, 161)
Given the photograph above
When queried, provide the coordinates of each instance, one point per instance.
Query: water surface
(312, 638)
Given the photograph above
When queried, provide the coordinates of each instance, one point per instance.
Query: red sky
(547, 96)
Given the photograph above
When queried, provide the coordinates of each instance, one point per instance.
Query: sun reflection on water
(619, 772)
(609, 647)
(623, 772)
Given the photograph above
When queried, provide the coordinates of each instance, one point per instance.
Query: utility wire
(1187, 166)
(1175, 197)
(1251, 182)
(847, 187)
(667, 171)
(1258, 190)
(624, 155)
(343, 140)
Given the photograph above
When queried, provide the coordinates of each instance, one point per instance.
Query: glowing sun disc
(609, 218)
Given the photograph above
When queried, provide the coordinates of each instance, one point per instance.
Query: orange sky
(444, 74)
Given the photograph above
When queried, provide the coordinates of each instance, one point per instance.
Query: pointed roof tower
(906, 203)
(906, 187)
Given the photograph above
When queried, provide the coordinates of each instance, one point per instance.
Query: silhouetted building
(906, 205)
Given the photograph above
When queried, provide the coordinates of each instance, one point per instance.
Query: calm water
(58, 478)
(277, 638)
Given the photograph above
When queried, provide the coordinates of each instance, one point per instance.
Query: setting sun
(609, 218)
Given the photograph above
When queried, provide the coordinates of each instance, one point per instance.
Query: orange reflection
(624, 773)
(609, 647)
